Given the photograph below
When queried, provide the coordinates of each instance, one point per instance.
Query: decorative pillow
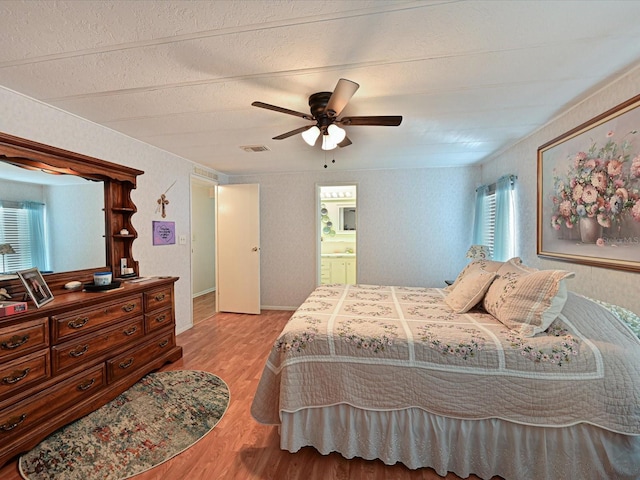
(470, 290)
(482, 264)
(525, 299)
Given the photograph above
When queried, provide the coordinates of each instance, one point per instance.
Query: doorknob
(254, 249)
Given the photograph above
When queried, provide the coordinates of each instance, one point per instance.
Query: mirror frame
(118, 180)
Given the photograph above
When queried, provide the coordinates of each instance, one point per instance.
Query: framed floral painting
(589, 191)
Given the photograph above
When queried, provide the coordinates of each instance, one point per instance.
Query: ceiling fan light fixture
(310, 136)
(336, 134)
(328, 143)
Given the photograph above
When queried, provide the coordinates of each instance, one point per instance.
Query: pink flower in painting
(569, 224)
(603, 220)
(580, 156)
(600, 242)
(635, 167)
(577, 192)
(610, 134)
(565, 208)
(635, 211)
(590, 194)
(590, 164)
(622, 192)
(599, 180)
(614, 168)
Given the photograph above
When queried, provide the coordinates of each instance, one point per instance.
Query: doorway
(337, 223)
(203, 248)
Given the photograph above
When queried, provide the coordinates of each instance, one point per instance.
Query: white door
(238, 248)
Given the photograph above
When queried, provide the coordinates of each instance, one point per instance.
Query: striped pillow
(525, 299)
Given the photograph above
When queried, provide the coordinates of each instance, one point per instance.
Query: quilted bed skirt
(482, 447)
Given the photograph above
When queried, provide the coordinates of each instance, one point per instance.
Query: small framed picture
(164, 233)
(35, 285)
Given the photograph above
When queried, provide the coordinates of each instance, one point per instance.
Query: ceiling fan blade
(345, 143)
(340, 97)
(275, 108)
(292, 132)
(383, 121)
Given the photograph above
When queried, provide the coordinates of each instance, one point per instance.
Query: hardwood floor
(204, 306)
(235, 348)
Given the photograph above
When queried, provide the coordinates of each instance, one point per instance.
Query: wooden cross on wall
(162, 201)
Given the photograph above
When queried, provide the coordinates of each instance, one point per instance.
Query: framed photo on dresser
(35, 285)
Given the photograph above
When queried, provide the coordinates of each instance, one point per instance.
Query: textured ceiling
(469, 77)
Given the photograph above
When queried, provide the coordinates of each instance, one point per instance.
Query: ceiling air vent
(201, 172)
(255, 148)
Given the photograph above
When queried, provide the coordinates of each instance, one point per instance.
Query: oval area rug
(156, 419)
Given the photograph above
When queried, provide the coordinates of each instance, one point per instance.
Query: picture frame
(164, 233)
(588, 196)
(35, 286)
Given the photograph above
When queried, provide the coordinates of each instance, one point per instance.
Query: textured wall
(612, 286)
(414, 227)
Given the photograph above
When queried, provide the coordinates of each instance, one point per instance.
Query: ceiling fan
(325, 109)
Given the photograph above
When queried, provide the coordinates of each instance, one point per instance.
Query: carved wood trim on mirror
(118, 180)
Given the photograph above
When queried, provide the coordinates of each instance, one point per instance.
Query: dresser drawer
(71, 354)
(31, 411)
(124, 364)
(156, 299)
(156, 320)
(23, 372)
(17, 340)
(89, 319)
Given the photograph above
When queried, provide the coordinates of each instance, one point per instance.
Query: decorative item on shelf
(124, 231)
(163, 202)
(478, 251)
(92, 287)
(102, 278)
(35, 285)
(5, 249)
(4, 295)
(73, 285)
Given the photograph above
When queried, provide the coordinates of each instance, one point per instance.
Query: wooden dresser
(76, 353)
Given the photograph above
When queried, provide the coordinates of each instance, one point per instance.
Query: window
(494, 222)
(22, 228)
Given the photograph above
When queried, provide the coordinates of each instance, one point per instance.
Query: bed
(506, 373)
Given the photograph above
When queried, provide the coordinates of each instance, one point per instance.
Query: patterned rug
(159, 417)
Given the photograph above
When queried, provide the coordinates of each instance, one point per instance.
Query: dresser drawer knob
(78, 322)
(164, 344)
(161, 318)
(78, 352)
(14, 342)
(131, 331)
(159, 297)
(13, 423)
(129, 307)
(86, 385)
(126, 364)
(16, 377)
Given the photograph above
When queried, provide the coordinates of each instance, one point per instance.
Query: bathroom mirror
(347, 216)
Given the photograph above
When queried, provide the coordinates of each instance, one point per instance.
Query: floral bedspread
(389, 348)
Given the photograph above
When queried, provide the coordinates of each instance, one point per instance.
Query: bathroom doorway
(337, 214)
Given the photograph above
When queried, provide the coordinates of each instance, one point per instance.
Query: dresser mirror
(71, 211)
(87, 204)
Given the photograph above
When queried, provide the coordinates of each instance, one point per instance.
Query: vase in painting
(590, 229)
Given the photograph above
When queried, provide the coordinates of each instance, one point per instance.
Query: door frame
(212, 184)
(318, 202)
